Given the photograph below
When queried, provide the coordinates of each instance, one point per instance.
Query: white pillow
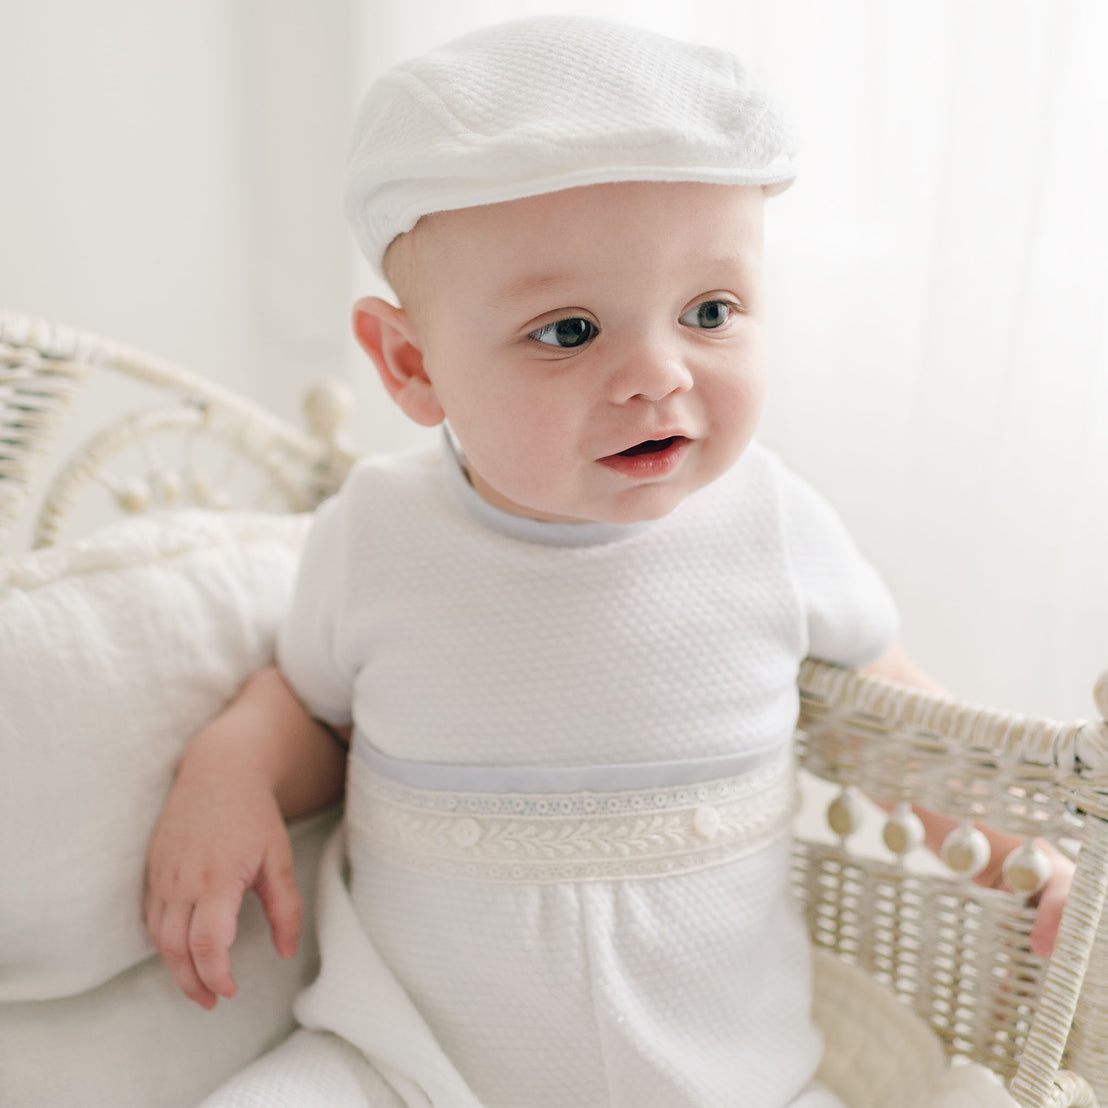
(113, 651)
(136, 1041)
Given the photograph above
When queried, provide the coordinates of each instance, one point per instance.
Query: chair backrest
(150, 456)
(957, 953)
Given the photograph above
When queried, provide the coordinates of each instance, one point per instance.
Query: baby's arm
(895, 665)
(262, 760)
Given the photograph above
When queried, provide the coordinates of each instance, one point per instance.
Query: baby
(563, 646)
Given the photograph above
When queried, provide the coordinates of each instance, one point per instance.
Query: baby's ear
(386, 334)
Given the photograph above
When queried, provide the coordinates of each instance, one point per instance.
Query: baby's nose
(652, 376)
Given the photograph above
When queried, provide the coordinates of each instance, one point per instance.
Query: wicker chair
(955, 954)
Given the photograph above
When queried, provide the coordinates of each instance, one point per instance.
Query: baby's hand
(221, 832)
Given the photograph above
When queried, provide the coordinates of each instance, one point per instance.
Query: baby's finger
(174, 948)
(1048, 916)
(1051, 902)
(153, 910)
(211, 933)
(1044, 932)
(276, 887)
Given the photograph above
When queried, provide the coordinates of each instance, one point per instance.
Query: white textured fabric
(113, 650)
(541, 104)
(878, 1053)
(382, 994)
(450, 642)
(308, 1070)
(457, 644)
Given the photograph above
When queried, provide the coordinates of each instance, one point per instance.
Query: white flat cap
(553, 102)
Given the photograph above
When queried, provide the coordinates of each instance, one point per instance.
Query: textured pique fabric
(552, 102)
(449, 642)
(456, 645)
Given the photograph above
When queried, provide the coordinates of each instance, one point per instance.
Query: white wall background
(170, 174)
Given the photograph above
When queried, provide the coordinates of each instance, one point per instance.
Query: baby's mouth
(650, 459)
(650, 446)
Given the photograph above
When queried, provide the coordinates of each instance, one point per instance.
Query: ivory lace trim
(545, 838)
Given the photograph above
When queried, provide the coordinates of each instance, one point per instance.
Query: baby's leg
(310, 1069)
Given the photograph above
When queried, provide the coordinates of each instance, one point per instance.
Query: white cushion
(878, 1052)
(136, 1041)
(113, 651)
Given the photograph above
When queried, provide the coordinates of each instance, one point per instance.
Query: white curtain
(941, 278)
(938, 273)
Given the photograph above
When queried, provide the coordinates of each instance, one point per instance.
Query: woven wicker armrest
(957, 953)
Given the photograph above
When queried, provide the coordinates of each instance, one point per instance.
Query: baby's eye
(709, 315)
(566, 333)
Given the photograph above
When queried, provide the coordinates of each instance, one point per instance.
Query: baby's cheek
(533, 428)
(517, 455)
(533, 459)
(741, 396)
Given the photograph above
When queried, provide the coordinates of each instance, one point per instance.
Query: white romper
(570, 787)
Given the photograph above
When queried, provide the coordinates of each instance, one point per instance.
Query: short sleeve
(307, 640)
(851, 617)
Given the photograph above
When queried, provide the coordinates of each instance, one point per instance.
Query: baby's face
(599, 351)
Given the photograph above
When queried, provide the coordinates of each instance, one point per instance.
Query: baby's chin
(641, 503)
(644, 514)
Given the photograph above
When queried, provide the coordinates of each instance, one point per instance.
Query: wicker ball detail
(903, 831)
(200, 487)
(966, 850)
(327, 407)
(169, 486)
(134, 497)
(1100, 694)
(1027, 869)
(844, 813)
